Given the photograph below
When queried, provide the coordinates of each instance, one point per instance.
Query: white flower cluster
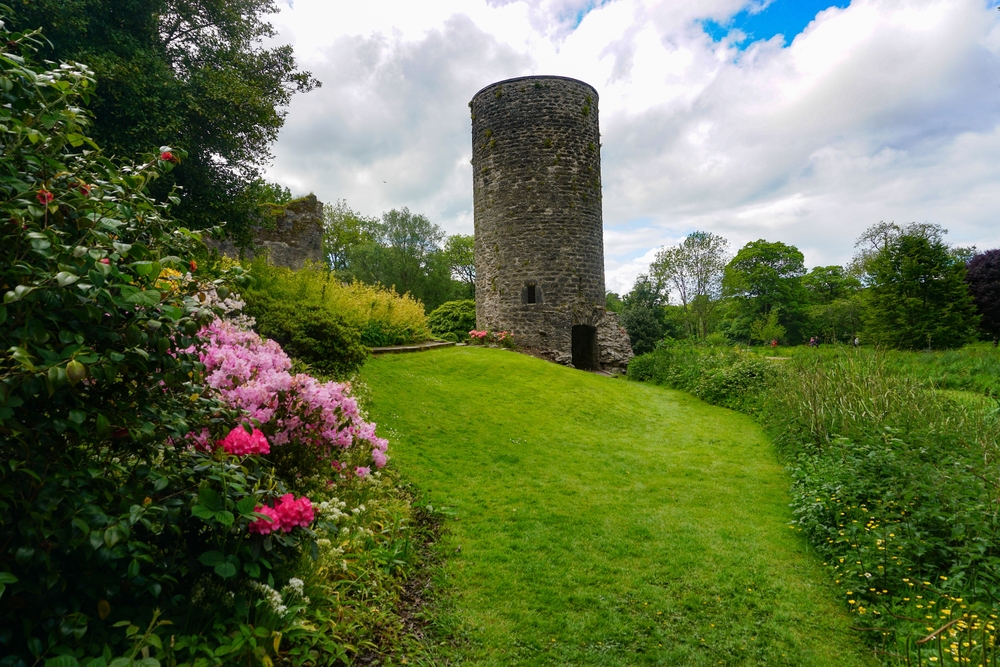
(271, 597)
(331, 510)
(232, 306)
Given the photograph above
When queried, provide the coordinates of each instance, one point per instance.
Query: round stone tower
(536, 159)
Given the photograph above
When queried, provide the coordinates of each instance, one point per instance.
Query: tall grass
(895, 482)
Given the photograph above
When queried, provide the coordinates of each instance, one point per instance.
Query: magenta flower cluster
(253, 375)
(241, 443)
(286, 514)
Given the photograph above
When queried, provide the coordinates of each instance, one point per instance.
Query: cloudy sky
(803, 121)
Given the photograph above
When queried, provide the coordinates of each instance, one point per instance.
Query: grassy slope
(604, 522)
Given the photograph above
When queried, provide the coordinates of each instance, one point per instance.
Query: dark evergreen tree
(984, 283)
(918, 296)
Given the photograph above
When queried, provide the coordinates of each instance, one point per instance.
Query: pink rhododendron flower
(253, 375)
(265, 526)
(362, 471)
(294, 512)
(241, 443)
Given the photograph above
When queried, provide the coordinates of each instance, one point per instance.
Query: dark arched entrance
(585, 347)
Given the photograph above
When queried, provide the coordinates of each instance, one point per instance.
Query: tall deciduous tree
(918, 296)
(189, 73)
(984, 283)
(460, 251)
(763, 276)
(694, 270)
(403, 250)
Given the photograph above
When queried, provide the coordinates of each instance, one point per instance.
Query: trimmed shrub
(312, 333)
(457, 318)
(381, 316)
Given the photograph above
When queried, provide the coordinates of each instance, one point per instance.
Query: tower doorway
(585, 355)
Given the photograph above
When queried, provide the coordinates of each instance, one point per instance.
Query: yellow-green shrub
(382, 316)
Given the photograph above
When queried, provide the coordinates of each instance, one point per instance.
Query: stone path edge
(419, 347)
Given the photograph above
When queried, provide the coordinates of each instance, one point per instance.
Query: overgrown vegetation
(170, 492)
(893, 479)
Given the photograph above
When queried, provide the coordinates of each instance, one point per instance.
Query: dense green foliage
(905, 288)
(99, 512)
(313, 333)
(301, 305)
(890, 478)
(126, 528)
(454, 319)
(189, 73)
(603, 522)
(983, 277)
(402, 251)
(918, 296)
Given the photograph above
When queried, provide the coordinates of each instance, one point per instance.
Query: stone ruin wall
(538, 219)
(297, 236)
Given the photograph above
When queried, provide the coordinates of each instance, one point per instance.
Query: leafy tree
(642, 313)
(694, 270)
(460, 250)
(918, 295)
(763, 276)
(984, 283)
(767, 328)
(644, 328)
(839, 320)
(195, 74)
(613, 302)
(403, 251)
(343, 229)
(826, 284)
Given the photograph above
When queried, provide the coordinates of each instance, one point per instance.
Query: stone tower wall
(537, 196)
(296, 237)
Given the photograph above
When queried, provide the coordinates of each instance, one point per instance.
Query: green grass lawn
(603, 522)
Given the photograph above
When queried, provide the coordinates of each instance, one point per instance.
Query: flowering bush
(319, 420)
(501, 338)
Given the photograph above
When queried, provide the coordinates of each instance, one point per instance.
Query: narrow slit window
(529, 293)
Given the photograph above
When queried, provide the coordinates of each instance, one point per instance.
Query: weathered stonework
(539, 230)
(297, 236)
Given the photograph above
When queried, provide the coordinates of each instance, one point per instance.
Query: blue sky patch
(785, 17)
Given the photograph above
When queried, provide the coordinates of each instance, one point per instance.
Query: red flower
(167, 156)
(44, 197)
(105, 260)
(84, 189)
(194, 266)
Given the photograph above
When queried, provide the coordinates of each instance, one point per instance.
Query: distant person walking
(774, 342)
(857, 342)
(812, 342)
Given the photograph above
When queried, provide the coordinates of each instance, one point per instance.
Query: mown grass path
(604, 522)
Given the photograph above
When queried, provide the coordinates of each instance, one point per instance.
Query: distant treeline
(905, 288)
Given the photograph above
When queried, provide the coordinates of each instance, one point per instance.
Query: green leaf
(209, 498)
(148, 297)
(62, 661)
(225, 518)
(133, 569)
(77, 416)
(211, 558)
(21, 356)
(7, 578)
(246, 505)
(65, 278)
(225, 570)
